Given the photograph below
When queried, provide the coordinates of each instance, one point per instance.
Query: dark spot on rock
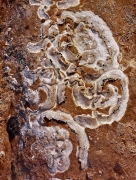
(5, 74)
(1, 28)
(90, 76)
(60, 24)
(26, 27)
(88, 178)
(94, 31)
(13, 127)
(75, 25)
(118, 169)
(112, 178)
(13, 175)
(42, 20)
(46, 120)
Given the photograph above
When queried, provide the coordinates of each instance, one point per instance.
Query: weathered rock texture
(5, 111)
(112, 152)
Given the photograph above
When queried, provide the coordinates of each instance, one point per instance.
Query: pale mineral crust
(112, 151)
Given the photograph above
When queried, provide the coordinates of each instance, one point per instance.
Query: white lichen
(65, 4)
(85, 43)
(52, 143)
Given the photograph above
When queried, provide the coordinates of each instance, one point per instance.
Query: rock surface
(112, 152)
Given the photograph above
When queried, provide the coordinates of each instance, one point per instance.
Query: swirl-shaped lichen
(80, 53)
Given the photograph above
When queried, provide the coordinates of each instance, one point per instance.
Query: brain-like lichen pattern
(79, 53)
(52, 143)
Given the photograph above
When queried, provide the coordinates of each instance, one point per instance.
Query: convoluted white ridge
(81, 54)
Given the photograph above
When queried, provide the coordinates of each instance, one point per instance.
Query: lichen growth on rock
(50, 142)
(81, 54)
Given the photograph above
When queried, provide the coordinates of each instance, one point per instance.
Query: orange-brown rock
(112, 153)
(5, 154)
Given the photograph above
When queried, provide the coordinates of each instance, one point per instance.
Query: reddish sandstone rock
(112, 153)
(5, 154)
